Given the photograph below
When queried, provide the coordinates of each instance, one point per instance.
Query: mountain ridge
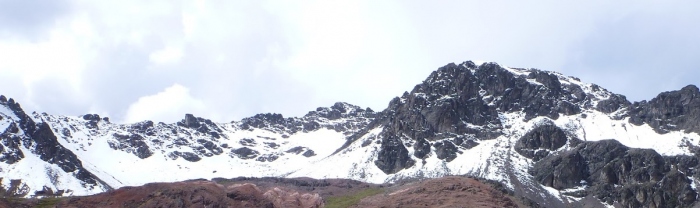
(510, 125)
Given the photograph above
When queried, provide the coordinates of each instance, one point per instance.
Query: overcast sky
(135, 60)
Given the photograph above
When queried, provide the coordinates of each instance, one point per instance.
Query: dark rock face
(421, 149)
(264, 120)
(355, 118)
(272, 145)
(670, 111)
(393, 156)
(540, 141)
(91, 117)
(92, 120)
(247, 142)
(468, 144)
(244, 153)
(25, 122)
(191, 121)
(277, 123)
(616, 173)
(267, 158)
(9, 150)
(181, 142)
(133, 143)
(209, 145)
(144, 127)
(56, 154)
(46, 191)
(185, 155)
(445, 150)
(309, 153)
(49, 150)
(296, 150)
(616, 102)
(201, 125)
(566, 171)
(16, 188)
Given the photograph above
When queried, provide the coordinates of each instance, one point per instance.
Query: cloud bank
(225, 60)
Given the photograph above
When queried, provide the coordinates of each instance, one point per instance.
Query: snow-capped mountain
(116, 155)
(548, 137)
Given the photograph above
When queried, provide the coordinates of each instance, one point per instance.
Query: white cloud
(246, 57)
(59, 56)
(363, 52)
(170, 105)
(168, 55)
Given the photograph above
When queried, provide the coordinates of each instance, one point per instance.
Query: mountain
(550, 138)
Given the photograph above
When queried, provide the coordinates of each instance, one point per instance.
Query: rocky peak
(614, 103)
(91, 117)
(191, 121)
(342, 117)
(343, 107)
(459, 104)
(549, 80)
(266, 121)
(536, 92)
(201, 125)
(25, 121)
(691, 89)
(669, 111)
(339, 110)
(92, 120)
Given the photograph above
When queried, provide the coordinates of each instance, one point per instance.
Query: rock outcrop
(615, 173)
(354, 118)
(541, 141)
(670, 111)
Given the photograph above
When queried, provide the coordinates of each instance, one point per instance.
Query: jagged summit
(457, 105)
(341, 116)
(551, 138)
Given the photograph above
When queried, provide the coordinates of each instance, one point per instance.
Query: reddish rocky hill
(297, 192)
(444, 192)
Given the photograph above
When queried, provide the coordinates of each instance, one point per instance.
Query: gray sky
(136, 60)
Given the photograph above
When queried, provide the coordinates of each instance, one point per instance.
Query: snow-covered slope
(31, 161)
(263, 145)
(135, 154)
(546, 136)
